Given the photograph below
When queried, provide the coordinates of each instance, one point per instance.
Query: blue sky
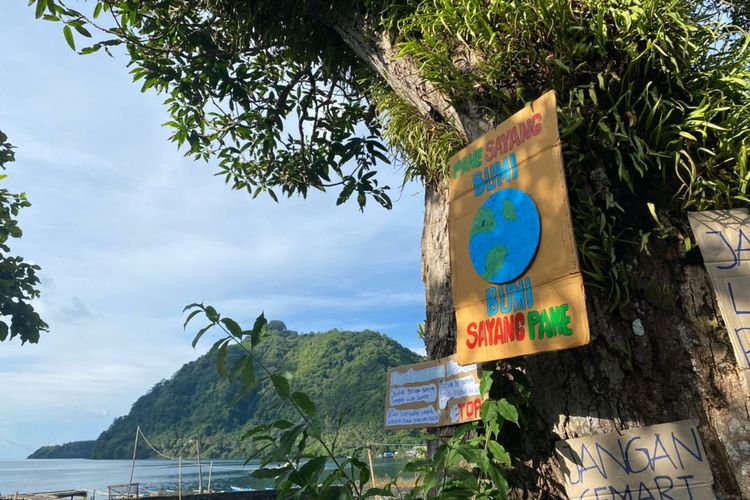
(127, 232)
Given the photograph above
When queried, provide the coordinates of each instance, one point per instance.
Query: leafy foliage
(284, 441)
(278, 102)
(472, 463)
(343, 372)
(468, 465)
(18, 279)
(653, 104)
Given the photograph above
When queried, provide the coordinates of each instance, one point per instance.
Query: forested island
(75, 449)
(342, 371)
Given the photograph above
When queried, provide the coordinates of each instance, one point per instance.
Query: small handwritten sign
(655, 462)
(724, 239)
(432, 394)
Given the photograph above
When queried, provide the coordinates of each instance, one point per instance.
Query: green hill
(76, 449)
(343, 372)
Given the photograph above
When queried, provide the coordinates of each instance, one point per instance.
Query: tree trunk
(682, 367)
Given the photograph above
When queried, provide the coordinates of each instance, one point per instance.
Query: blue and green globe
(504, 236)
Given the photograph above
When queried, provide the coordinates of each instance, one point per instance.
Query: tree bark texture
(682, 367)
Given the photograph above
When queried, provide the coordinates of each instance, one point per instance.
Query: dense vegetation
(343, 371)
(76, 449)
(18, 278)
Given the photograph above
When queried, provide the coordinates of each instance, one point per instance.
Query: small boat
(237, 488)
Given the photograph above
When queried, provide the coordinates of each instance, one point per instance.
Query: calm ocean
(153, 475)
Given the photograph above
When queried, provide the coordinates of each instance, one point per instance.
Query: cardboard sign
(517, 285)
(724, 239)
(659, 461)
(432, 394)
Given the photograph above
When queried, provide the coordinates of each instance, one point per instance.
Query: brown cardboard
(658, 461)
(432, 394)
(535, 169)
(724, 239)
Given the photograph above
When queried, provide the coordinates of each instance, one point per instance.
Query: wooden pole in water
(179, 478)
(135, 448)
(200, 469)
(372, 467)
(210, 470)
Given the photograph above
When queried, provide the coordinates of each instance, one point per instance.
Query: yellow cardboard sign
(517, 286)
(658, 461)
(724, 239)
(432, 394)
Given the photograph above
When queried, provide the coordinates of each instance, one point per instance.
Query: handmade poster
(723, 237)
(659, 461)
(517, 285)
(432, 394)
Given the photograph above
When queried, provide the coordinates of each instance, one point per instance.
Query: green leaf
(187, 320)
(488, 414)
(282, 424)
(485, 383)
(314, 428)
(688, 136)
(345, 493)
(247, 375)
(258, 327)
(286, 441)
(221, 359)
(281, 385)
(430, 480)
(83, 31)
(364, 470)
(378, 492)
(304, 402)
(561, 65)
(311, 470)
(499, 482)
(212, 314)
(190, 306)
(508, 411)
(68, 34)
(499, 453)
(90, 50)
(98, 9)
(232, 326)
(270, 472)
(40, 6)
(252, 431)
(200, 334)
(416, 465)
(260, 322)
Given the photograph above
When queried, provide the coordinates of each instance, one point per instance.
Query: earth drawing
(504, 236)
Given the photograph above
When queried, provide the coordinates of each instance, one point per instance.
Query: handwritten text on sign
(664, 461)
(432, 394)
(517, 285)
(724, 239)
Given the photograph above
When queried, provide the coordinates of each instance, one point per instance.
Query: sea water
(28, 476)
